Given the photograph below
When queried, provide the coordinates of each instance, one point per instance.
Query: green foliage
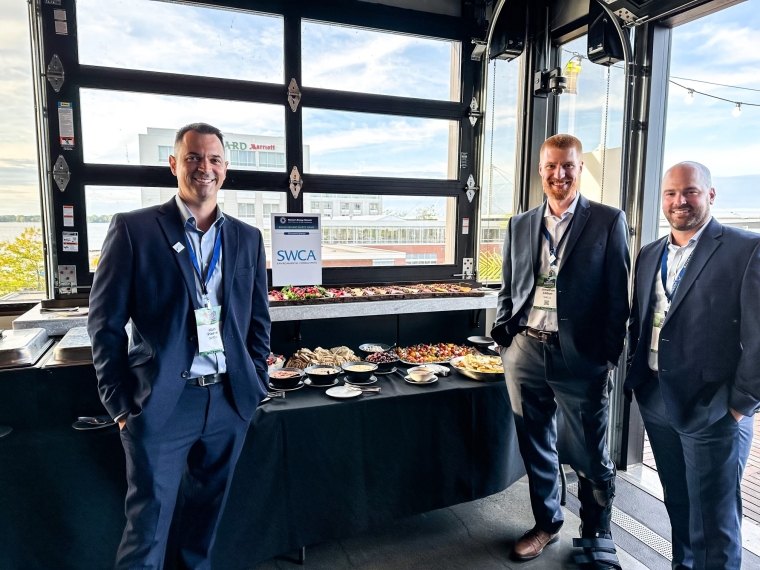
(22, 265)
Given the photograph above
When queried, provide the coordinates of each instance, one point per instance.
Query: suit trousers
(701, 474)
(539, 384)
(189, 464)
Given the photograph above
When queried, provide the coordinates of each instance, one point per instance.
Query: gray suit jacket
(592, 284)
(142, 278)
(709, 348)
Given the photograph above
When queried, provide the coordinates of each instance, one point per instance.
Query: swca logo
(296, 255)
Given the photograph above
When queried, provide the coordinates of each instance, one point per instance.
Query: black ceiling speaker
(604, 44)
(506, 37)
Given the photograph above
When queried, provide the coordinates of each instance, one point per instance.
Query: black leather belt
(543, 336)
(207, 380)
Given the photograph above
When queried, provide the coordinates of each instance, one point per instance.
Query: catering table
(312, 469)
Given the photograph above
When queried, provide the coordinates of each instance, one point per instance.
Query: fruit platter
(291, 294)
(438, 353)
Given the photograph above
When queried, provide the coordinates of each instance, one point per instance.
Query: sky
(722, 48)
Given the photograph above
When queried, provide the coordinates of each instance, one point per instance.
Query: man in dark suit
(694, 365)
(561, 319)
(192, 283)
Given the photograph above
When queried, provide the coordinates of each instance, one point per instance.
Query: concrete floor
(472, 536)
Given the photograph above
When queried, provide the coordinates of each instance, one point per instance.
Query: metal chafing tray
(22, 347)
(73, 348)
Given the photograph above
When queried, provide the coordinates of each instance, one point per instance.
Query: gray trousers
(541, 385)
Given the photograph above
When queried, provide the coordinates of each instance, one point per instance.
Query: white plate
(430, 381)
(342, 392)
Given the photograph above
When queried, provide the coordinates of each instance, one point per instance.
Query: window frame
(351, 12)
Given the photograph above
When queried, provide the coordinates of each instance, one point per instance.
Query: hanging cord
(604, 134)
(490, 157)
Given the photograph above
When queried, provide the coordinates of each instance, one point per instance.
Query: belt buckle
(206, 380)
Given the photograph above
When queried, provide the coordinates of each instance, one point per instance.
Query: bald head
(687, 195)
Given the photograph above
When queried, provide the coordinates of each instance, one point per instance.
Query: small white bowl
(420, 375)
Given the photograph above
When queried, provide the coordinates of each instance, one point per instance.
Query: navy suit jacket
(141, 277)
(592, 284)
(709, 347)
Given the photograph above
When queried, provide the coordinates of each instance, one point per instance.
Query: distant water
(9, 231)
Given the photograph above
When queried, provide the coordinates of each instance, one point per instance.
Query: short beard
(560, 195)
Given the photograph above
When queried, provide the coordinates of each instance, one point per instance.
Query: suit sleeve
(618, 266)
(745, 393)
(504, 304)
(107, 317)
(260, 324)
(634, 322)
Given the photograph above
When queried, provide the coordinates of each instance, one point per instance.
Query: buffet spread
(316, 293)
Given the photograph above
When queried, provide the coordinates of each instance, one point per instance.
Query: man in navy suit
(191, 282)
(561, 318)
(694, 365)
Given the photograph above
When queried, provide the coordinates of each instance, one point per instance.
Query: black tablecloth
(312, 468)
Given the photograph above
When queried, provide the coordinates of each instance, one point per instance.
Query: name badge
(545, 298)
(657, 321)
(208, 323)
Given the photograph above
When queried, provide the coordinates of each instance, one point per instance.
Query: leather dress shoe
(532, 543)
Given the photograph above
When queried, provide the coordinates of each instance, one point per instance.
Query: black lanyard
(553, 250)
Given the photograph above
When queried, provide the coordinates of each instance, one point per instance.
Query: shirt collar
(694, 239)
(187, 215)
(570, 209)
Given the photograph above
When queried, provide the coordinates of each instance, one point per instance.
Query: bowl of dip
(359, 371)
(323, 374)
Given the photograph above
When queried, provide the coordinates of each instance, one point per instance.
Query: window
(706, 129)
(135, 134)
(372, 136)
(498, 166)
(155, 36)
(594, 114)
(363, 144)
(105, 201)
(272, 160)
(246, 210)
(348, 58)
(22, 266)
(164, 151)
(408, 228)
(242, 158)
(421, 259)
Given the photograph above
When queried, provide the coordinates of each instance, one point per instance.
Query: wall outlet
(468, 266)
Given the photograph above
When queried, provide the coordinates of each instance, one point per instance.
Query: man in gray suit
(694, 365)
(561, 320)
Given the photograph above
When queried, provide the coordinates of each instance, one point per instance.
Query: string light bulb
(737, 110)
(689, 96)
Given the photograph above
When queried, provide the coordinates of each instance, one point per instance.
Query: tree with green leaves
(22, 265)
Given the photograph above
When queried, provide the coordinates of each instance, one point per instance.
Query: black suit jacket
(709, 348)
(592, 283)
(141, 277)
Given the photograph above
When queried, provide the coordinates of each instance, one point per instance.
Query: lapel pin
(178, 247)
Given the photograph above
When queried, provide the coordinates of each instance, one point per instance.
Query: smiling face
(686, 198)
(560, 170)
(200, 168)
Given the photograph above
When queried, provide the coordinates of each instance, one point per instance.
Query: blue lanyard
(664, 273)
(552, 248)
(204, 279)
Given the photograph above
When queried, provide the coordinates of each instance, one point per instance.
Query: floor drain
(636, 529)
